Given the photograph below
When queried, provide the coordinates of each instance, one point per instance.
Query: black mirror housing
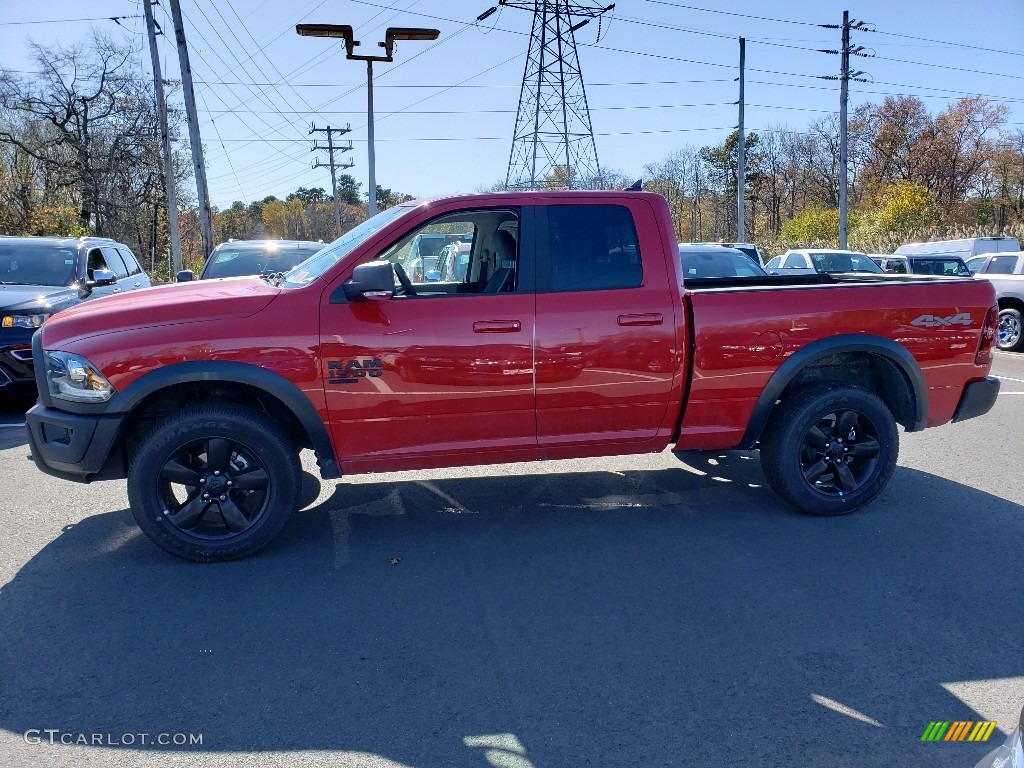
(373, 281)
(184, 276)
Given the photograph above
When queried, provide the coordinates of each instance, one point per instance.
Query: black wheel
(830, 449)
(1008, 334)
(214, 482)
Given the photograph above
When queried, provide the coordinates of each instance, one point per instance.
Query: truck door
(442, 367)
(606, 349)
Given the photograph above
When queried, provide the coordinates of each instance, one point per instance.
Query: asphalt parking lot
(619, 612)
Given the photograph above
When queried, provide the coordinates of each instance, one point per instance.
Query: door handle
(647, 318)
(497, 326)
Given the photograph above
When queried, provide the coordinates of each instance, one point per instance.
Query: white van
(965, 249)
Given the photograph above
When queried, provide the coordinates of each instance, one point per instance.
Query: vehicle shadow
(672, 617)
(12, 420)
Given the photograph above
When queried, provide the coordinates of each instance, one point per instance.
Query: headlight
(23, 321)
(72, 377)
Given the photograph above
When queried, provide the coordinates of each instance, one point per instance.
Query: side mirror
(432, 275)
(373, 281)
(102, 277)
(184, 276)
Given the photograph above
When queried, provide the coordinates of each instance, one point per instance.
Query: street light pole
(371, 156)
(344, 31)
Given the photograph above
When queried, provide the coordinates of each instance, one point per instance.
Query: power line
(115, 19)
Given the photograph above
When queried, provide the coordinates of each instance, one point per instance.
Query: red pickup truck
(572, 334)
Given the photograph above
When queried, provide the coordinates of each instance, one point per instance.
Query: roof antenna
(636, 186)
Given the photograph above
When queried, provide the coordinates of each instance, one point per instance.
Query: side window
(129, 260)
(896, 266)
(974, 265)
(794, 261)
(774, 263)
(114, 262)
(1001, 265)
(592, 247)
(96, 261)
(466, 252)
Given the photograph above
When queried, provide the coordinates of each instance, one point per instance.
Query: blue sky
(661, 76)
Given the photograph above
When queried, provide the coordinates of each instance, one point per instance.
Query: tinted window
(36, 264)
(897, 266)
(115, 262)
(795, 261)
(592, 247)
(1001, 265)
(236, 262)
(774, 263)
(940, 266)
(129, 260)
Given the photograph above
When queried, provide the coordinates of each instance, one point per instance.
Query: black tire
(1010, 331)
(830, 449)
(214, 482)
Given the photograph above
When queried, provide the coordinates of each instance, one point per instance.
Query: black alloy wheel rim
(214, 488)
(839, 453)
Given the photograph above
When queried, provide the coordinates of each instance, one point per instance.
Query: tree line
(79, 154)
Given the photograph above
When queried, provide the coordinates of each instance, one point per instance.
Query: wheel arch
(174, 386)
(877, 363)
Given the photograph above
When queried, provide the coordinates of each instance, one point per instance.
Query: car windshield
(36, 264)
(703, 264)
(235, 262)
(827, 261)
(951, 267)
(330, 255)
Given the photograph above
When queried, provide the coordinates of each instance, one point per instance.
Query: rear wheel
(1009, 334)
(830, 449)
(214, 482)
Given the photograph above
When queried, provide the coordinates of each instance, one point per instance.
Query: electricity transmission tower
(553, 143)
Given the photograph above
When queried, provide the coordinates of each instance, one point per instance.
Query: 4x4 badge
(937, 321)
(351, 371)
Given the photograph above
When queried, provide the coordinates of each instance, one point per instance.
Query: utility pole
(202, 191)
(741, 176)
(332, 165)
(165, 141)
(696, 203)
(845, 76)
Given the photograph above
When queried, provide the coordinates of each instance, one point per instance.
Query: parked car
(822, 261)
(945, 266)
(589, 339)
(237, 258)
(711, 260)
(965, 248)
(452, 264)
(748, 249)
(1006, 273)
(40, 276)
(425, 250)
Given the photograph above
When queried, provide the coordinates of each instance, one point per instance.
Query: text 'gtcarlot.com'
(141, 739)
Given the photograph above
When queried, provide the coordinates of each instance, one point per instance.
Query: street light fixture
(344, 32)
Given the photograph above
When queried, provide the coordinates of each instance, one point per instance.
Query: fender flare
(240, 373)
(822, 348)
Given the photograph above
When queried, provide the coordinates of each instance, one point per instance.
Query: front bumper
(75, 446)
(977, 399)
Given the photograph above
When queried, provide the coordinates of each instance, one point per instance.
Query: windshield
(950, 267)
(703, 264)
(844, 262)
(330, 255)
(36, 264)
(255, 261)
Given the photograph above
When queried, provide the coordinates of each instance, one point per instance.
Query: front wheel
(830, 449)
(214, 482)
(1009, 333)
